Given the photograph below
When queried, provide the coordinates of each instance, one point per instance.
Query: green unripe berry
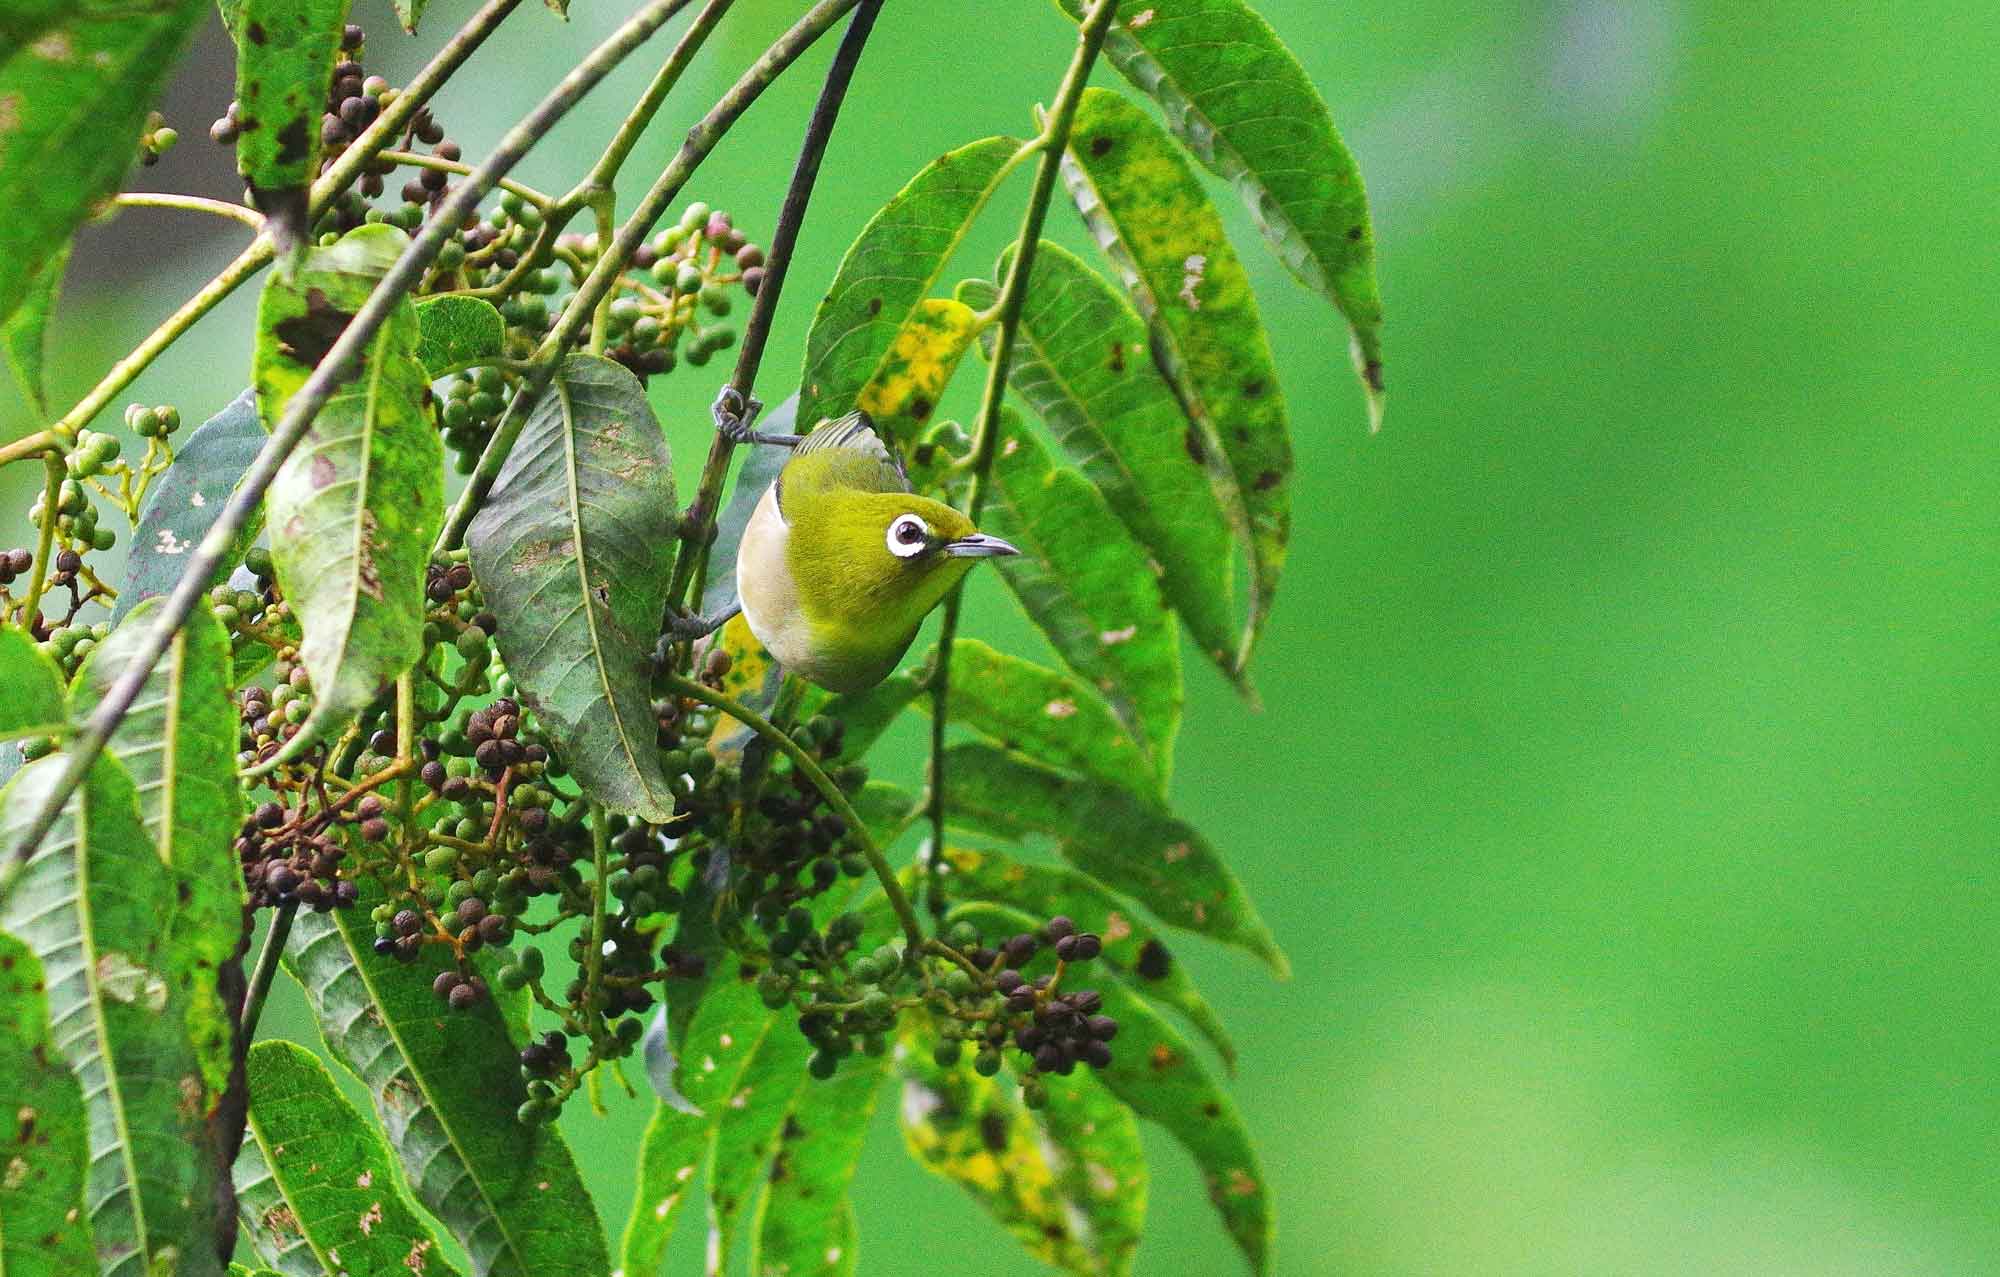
(512, 977)
(441, 859)
(947, 1054)
(694, 217)
(715, 299)
(688, 279)
(103, 538)
(822, 1064)
(531, 961)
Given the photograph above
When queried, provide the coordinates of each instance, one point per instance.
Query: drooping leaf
(331, 1170)
(720, 1041)
(890, 269)
(1149, 213)
(1067, 1181)
(573, 550)
(909, 381)
(184, 502)
(446, 1085)
(802, 1224)
(34, 685)
(1128, 842)
(178, 742)
(1132, 947)
(1156, 1071)
(43, 1230)
(93, 903)
(408, 12)
(1084, 581)
(752, 1117)
(78, 89)
(1237, 98)
(285, 53)
(458, 332)
(1082, 363)
(354, 509)
(25, 333)
(1043, 713)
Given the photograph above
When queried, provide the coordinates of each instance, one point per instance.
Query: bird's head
(881, 558)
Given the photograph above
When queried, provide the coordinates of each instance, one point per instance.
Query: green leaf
(1149, 213)
(866, 714)
(1083, 364)
(408, 12)
(26, 331)
(1044, 714)
(356, 506)
(727, 1028)
(745, 1138)
(285, 53)
(331, 1170)
(890, 269)
(884, 808)
(1238, 99)
(43, 1230)
(573, 549)
(1068, 1181)
(184, 503)
(267, 1226)
(802, 1223)
(1128, 842)
(446, 1084)
(34, 684)
(1156, 1071)
(909, 382)
(77, 89)
(759, 471)
(178, 742)
(1090, 589)
(458, 332)
(1132, 948)
(94, 903)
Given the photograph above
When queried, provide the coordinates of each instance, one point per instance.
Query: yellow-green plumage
(821, 584)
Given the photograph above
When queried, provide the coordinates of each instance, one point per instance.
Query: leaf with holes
(446, 1086)
(77, 88)
(93, 903)
(1068, 1181)
(43, 1230)
(354, 509)
(752, 1117)
(1149, 213)
(285, 53)
(910, 380)
(890, 269)
(1132, 947)
(1237, 98)
(25, 333)
(802, 1223)
(334, 1184)
(1084, 581)
(1124, 840)
(573, 549)
(458, 332)
(184, 503)
(1082, 363)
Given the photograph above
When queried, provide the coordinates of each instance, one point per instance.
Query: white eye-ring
(909, 536)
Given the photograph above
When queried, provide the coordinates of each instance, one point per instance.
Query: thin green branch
(413, 159)
(699, 525)
(53, 472)
(600, 861)
(265, 971)
(33, 445)
(192, 204)
(1053, 140)
(811, 770)
(305, 404)
(611, 262)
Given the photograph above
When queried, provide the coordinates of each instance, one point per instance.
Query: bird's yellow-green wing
(842, 453)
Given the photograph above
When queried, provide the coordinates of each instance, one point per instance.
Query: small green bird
(841, 562)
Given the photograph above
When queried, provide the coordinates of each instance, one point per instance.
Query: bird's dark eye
(908, 536)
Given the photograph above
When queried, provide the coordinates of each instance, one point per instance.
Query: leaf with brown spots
(911, 378)
(285, 54)
(590, 472)
(803, 1224)
(354, 509)
(1237, 98)
(44, 1140)
(75, 87)
(888, 271)
(1150, 215)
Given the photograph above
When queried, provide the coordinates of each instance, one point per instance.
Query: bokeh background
(1624, 791)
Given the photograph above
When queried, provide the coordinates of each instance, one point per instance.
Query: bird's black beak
(978, 545)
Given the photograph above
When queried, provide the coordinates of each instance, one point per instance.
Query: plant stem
(442, 165)
(701, 139)
(192, 204)
(305, 404)
(1054, 139)
(259, 254)
(600, 859)
(29, 446)
(700, 522)
(53, 471)
(267, 968)
(641, 115)
(812, 771)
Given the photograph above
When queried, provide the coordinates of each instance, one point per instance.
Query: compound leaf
(183, 504)
(574, 548)
(354, 509)
(43, 1230)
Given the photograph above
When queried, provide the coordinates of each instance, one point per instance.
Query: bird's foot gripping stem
(734, 412)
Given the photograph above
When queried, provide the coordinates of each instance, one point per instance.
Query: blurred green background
(1625, 788)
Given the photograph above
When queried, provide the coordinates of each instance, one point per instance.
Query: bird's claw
(735, 413)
